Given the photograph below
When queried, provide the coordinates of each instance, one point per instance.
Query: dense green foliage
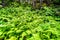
(23, 23)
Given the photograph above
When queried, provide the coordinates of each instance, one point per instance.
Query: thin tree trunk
(41, 1)
(3, 3)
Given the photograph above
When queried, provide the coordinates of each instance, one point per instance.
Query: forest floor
(22, 23)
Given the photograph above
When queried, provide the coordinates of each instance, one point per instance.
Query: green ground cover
(22, 23)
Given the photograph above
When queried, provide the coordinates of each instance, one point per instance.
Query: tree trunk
(3, 3)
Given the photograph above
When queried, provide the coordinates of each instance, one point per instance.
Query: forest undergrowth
(22, 23)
